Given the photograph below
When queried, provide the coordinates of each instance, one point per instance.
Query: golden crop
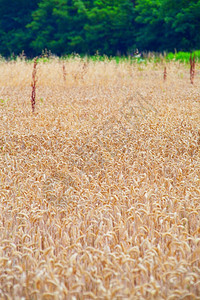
(100, 186)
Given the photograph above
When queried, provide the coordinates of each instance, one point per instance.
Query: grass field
(100, 186)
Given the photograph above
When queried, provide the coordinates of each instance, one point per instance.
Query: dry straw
(99, 191)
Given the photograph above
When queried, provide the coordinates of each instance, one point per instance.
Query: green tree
(58, 26)
(150, 25)
(168, 24)
(14, 36)
(110, 26)
(43, 25)
(83, 26)
(182, 20)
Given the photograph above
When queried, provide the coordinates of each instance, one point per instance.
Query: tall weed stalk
(192, 68)
(33, 84)
(165, 73)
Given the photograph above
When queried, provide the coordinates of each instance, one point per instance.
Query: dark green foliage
(14, 16)
(108, 26)
(168, 24)
(58, 26)
(150, 25)
(83, 26)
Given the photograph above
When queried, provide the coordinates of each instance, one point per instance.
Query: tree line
(108, 26)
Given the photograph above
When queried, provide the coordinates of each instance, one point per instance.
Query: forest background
(108, 26)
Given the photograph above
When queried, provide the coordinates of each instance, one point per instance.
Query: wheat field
(100, 186)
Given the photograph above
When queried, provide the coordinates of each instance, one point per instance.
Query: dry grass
(99, 188)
